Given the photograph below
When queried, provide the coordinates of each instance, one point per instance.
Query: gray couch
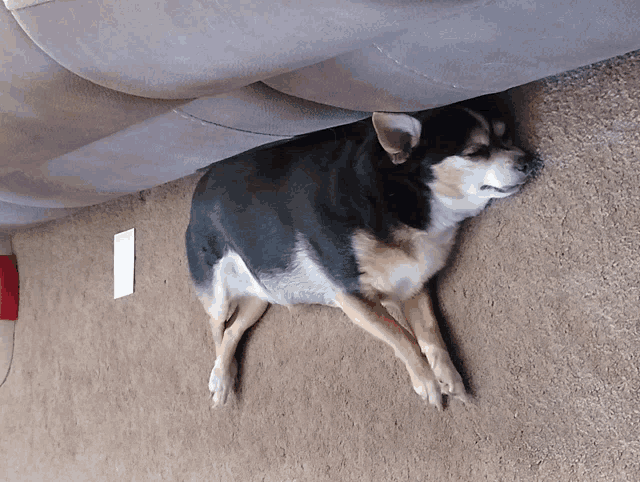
(102, 98)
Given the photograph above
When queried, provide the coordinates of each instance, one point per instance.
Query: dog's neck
(447, 212)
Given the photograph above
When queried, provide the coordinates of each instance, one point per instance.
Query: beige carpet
(542, 305)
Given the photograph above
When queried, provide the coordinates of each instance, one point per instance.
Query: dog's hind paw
(221, 381)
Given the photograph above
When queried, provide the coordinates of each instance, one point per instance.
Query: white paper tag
(123, 263)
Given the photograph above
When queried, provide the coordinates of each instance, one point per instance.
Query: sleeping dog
(357, 217)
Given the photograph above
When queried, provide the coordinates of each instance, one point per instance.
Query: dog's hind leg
(224, 372)
(219, 308)
(419, 313)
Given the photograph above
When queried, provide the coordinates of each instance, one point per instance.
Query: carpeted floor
(542, 307)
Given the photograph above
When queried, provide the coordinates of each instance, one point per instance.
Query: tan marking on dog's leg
(375, 319)
(219, 311)
(394, 309)
(250, 309)
(217, 329)
(419, 313)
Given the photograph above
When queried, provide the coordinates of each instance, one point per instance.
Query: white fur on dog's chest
(398, 271)
(430, 251)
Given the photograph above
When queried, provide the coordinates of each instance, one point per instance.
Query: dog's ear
(397, 133)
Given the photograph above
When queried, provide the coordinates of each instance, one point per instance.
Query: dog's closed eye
(480, 150)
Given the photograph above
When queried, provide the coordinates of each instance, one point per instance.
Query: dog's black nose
(529, 165)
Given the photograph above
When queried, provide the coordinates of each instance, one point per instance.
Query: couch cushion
(479, 50)
(188, 48)
(391, 55)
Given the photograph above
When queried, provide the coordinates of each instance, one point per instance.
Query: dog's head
(470, 158)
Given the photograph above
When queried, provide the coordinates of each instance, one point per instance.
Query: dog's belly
(303, 283)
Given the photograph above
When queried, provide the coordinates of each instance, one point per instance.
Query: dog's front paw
(448, 378)
(425, 385)
(221, 381)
